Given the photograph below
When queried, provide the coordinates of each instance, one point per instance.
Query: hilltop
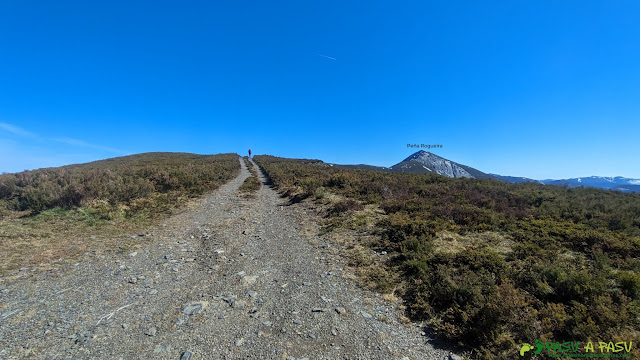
(425, 162)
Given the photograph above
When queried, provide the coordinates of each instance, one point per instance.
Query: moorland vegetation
(490, 265)
(46, 213)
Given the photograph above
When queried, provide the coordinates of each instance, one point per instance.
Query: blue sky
(542, 89)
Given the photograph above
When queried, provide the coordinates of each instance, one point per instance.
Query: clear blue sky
(542, 89)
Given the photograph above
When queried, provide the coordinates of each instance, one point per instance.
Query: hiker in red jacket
(249, 152)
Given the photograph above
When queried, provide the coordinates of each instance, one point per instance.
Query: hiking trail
(227, 278)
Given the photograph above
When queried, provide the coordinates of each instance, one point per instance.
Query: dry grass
(59, 234)
(390, 297)
(352, 231)
(452, 243)
(250, 186)
(250, 166)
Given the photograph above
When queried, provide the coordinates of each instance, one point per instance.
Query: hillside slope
(45, 213)
(487, 264)
(424, 162)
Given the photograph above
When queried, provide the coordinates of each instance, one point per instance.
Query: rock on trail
(228, 278)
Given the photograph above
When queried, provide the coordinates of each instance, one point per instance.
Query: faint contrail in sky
(328, 57)
(69, 141)
(16, 130)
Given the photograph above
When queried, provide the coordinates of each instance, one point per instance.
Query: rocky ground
(230, 278)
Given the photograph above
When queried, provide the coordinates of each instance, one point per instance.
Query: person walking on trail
(249, 152)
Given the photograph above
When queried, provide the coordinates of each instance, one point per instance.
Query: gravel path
(230, 278)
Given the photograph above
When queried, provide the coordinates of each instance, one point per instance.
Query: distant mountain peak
(420, 154)
(426, 162)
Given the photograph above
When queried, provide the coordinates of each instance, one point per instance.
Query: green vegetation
(140, 182)
(251, 184)
(491, 265)
(43, 211)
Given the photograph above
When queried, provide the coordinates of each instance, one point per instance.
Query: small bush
(630, 284)
(344, 206)
(250, 185)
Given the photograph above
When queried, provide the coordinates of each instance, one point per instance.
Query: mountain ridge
(425, 162)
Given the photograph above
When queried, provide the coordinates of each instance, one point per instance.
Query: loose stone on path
(195, 307)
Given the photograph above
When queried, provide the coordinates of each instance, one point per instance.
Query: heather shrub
(568, 273)
(344, 206)
(136, 181)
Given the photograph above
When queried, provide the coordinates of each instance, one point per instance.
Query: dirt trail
(230, 278)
